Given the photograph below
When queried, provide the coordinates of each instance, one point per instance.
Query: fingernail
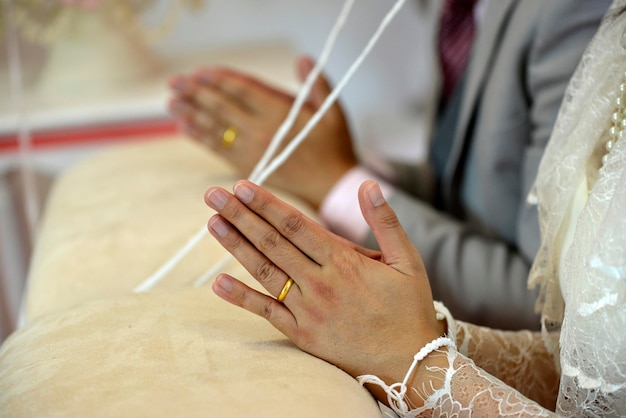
(219, 226)
(375, 195)
(244, 193)
(177, 83)
(204, 77)
(225, 283)
(218, 199)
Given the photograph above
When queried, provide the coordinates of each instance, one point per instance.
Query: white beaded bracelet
(395, 397)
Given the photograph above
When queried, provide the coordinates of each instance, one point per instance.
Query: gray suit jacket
(479, 245)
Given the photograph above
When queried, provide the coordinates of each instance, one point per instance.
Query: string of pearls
(618, 119)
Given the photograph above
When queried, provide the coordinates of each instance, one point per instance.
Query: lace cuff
(462, 386)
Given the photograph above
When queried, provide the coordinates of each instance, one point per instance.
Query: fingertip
(218, 226)
(216, 197)
(304, 65)
(207, 194)
(223, 286)
(173, 81)
(178, 83)
(224, 282)
(374, 193)
(204, 75)
(248, 182)
(244, 191)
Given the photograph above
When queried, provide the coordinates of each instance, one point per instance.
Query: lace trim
(396, 393)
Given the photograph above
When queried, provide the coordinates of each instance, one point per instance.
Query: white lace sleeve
(467, 390)
(493, 373)
(518, 358)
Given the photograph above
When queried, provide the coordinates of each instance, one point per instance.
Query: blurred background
(79, 76)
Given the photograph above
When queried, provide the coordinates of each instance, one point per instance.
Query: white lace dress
(577, 365)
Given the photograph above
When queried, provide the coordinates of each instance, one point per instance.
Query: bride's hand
(364, 311)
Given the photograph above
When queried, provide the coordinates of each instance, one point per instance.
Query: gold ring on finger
(283, 293)
(229, 136)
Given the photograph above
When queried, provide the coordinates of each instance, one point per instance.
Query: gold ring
(229, 136)
(283, 293)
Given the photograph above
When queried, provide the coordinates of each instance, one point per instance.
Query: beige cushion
(91, 348)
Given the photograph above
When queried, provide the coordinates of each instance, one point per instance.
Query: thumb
(397, 250)
(321, 88)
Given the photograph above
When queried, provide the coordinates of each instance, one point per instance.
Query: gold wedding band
(229, 136)
(283, 293)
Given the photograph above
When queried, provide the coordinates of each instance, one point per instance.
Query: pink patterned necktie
(456, 34)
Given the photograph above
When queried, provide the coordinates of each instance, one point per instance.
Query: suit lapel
(497, 14)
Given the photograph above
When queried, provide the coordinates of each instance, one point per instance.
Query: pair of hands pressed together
(213, 100)
(365, 311)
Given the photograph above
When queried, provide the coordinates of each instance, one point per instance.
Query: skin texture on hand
(364, 311)
(209, 102)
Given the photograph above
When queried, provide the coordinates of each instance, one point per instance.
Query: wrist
(429, 377)
(424, 377)
(426, 374)
(316, 191)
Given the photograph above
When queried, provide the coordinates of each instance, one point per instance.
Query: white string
(283, 156)
(31, 202)
(162, 271)
(286, 126)
(304, 92)
(282, 131)
(330, 100)
(444, 314)
(332, 97)
(396, 392)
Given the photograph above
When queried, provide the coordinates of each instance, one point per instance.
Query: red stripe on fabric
(92, 134)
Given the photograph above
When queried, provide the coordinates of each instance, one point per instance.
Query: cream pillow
(91, 348)
(182, 353)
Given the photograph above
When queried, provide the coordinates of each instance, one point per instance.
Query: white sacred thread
(396, 393)
(443, 314)
(282, 131)
(332, 97)
(283, 156)
(304, 92)
(293, 145)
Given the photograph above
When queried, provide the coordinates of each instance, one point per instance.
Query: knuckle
(241, 297)
(346, 266)
(269, 241)
(235, 242)
(235, 212)
(268, 310)
(292, 225)
(345, 263)
(210, 101)
(261, 203)
(265, 271)
(389, 221)
(240, 93)
(199, 118)
(204, 98)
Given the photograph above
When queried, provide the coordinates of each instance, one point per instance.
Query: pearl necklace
(618, 119)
